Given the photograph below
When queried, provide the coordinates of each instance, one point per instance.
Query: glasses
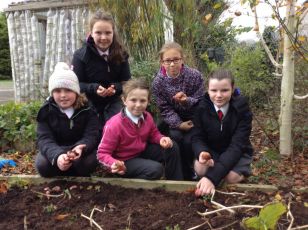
(169, 61)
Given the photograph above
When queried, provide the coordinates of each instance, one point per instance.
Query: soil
(29, 207)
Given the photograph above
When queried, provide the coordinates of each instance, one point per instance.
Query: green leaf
(254, 223)
(267, 218)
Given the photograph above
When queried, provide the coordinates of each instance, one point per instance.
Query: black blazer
(93, 70)
(226, 141)
(56, 133)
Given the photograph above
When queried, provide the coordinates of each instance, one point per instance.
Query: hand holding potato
(118, 167)
(166, 142)
(186, 125)
(106, 92)
(206, 158)
(180, 97)
(63, 162)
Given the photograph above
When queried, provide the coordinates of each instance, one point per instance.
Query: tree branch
(267, 50)
(300, 97)
(277, 74)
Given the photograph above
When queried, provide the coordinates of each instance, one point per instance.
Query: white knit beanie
(63, 77)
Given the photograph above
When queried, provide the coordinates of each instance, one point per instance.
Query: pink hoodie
(122, 139)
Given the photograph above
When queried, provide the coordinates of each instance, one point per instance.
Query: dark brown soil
(124, 208)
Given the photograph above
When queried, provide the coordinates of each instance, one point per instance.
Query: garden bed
(67, 204)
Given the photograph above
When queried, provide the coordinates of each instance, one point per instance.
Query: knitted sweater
(190, 81)
(122, 139)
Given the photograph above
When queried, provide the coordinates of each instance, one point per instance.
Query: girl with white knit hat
(67, 130)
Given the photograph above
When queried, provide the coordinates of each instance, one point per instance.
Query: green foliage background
(18, 126)
(5, 60)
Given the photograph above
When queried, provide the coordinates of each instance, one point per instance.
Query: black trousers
(184, 141)
(84, 166)
(154, 162)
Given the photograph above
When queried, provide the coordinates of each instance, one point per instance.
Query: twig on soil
(230, 208)
(92, 221)
(129, 220)
(218, 204)
(289, 213)
(231, 193)
(47, 195)
(200, 225)
(25, 223)
(91, 215)
(207, 222)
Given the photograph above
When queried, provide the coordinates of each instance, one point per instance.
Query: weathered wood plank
(177, 186)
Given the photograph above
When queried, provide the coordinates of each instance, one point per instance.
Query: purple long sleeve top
(190, 81)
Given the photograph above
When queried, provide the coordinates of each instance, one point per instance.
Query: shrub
(252, 74)
(147, 69)
(18, 126)
(5, 61)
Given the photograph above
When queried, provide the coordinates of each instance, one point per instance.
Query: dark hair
(135, 83)
(168, 46)
(117, 53)
(221, 74)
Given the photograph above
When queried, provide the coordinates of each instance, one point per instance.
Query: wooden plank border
(177, 186)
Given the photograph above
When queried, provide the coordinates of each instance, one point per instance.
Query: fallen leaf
(217, 6)
(56, 189)
(73, 187)
(3, 187)
(278, 197)
(207, 18)
(61, 216)
(302, 38)
(111, 206)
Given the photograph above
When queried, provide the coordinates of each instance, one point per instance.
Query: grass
(6, 83)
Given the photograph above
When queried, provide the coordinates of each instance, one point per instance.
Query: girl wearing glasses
(177, 89)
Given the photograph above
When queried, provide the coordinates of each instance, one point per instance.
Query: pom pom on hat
(63, 77)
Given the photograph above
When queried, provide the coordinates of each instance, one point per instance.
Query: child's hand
(166, 142)
(180, 97)
(63, 162)
(204, 187)
(206, 158)
(111, 91)
(101, 91)
(186, 125)
(76, 152)
(105, 92)
(118, 167)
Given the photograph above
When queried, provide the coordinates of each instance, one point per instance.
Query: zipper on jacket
(108, 69)
(71, 119)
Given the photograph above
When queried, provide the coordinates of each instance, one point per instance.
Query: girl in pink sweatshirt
(131, 144)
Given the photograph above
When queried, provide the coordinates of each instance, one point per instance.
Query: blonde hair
(168, 46)
(135, 83)
(81, 101)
